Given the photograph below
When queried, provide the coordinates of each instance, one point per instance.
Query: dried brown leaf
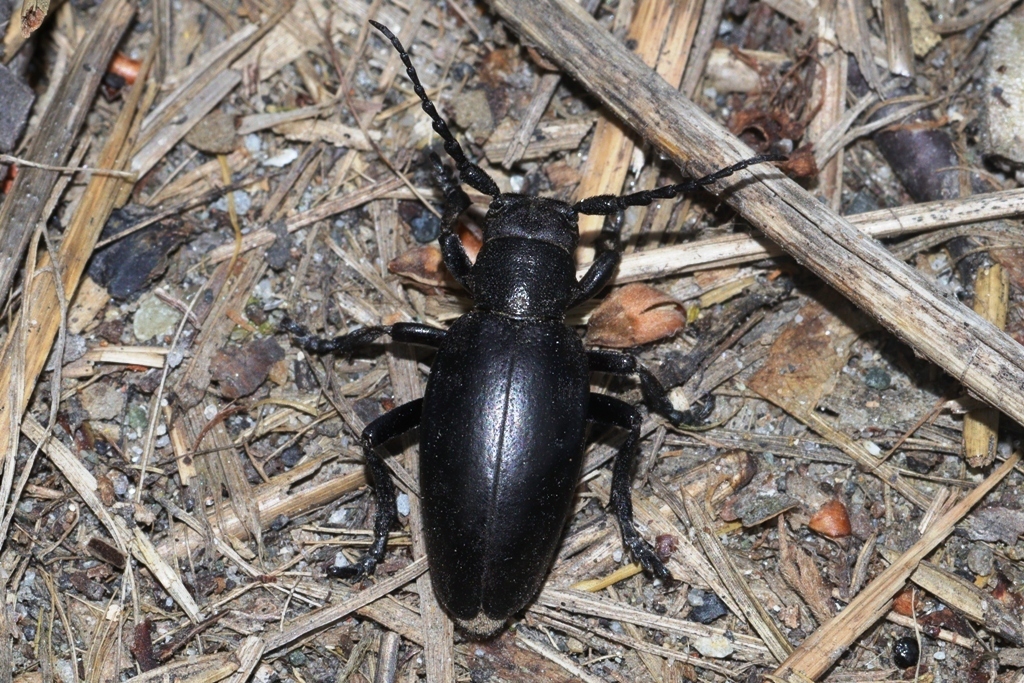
(422, 264)
(633, 315)
(241, 371)
(802, 574)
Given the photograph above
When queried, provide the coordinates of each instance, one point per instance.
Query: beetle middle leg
(409, 333)
(391, 424)
(386, 427)
(655, 396)
(610, 410)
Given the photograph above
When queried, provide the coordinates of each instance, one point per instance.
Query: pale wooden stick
(85, 484)
(971, 349)
(717, 252)
(314, 621)
(981, 425)
(899, 49)
(612, 148)
(45, 299)
(205, 669)
(126, 175)
(828, 94)
(751, 608)
(748, 648)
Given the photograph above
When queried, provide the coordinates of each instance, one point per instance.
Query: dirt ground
(179, 475)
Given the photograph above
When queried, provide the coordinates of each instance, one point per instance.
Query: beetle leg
(655, 396)
(409, 333)
(609, 254)
(455, 202)
(386, 427)
(610, 410)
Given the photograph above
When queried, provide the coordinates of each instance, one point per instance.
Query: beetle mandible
(504, 417)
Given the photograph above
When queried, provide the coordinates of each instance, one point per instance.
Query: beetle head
(535, 218)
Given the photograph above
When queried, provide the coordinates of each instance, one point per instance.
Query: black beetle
(504, 418)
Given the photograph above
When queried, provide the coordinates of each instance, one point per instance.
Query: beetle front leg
(386, 427)
(597, 277)
(655, 396)
(455, 202)
(609, 410)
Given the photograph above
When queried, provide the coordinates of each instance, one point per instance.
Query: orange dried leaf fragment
(633, 315)
(125, 67)
(831, 519)
(907, 602)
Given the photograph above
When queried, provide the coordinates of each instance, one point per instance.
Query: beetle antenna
(605, 204)
(470, 173)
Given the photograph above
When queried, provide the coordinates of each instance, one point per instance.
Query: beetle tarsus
(654, 394)
(694, 417)
(386, 427)
(645, 556)
(343, 344)
(609, 410)
(356, 571)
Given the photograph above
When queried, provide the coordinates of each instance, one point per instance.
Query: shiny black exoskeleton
(906, 652)
(503, 422)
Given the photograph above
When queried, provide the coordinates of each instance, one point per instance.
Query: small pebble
(710, 608)
(297, 658)
(717, 646)
(939, 655)
(338, 517)
(877, 379)
(980, 559)
(282, 159)
(425, 227)
(154, 318)
(402, 503)
(575, 646)
(905, 652)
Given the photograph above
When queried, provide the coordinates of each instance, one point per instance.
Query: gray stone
(215, 134)
(981, 559)
(154, 318)
(103, 401)
(16, 100)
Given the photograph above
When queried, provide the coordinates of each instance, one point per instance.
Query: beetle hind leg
(386, 427)
(609, 410)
